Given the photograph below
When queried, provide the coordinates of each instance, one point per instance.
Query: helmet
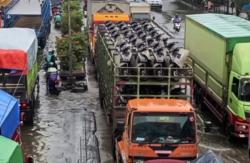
(51, 64)
(51, 50)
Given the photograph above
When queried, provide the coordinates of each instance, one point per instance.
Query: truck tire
(227, 126)
(118, 156)
(198, 96)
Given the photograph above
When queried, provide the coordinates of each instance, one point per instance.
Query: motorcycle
(177, 26)
(53, 81)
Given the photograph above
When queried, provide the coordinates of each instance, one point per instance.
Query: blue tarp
(246, 7)
(9, 114)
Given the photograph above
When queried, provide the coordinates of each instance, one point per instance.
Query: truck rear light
(24, 105)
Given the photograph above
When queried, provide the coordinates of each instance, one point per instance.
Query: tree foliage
(76, 22)
(74, 6)
(79, 50)
(76, 17)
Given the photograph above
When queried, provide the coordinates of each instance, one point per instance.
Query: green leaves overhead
(79, 49)
(78, 38)
(76, 22)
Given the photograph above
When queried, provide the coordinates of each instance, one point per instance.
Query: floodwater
(63, 123)
(64, 126)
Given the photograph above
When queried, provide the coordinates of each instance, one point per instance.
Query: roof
(17, 38)
(26, 7)
(18, 43)
(160, 105)
(227, 26)
(9, 114)
(8, 150)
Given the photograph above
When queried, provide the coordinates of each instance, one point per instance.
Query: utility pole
(70, 46)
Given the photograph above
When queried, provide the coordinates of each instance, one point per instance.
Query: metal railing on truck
(115, 87)
(13, 84)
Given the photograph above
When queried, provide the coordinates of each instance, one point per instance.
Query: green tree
(79, 50)
(76, 22)
(74, 6)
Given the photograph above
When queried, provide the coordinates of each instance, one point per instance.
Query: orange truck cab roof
(103, 17)
(160, 105)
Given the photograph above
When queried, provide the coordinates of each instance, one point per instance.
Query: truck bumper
(241, 129)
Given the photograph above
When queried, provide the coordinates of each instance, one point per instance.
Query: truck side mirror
(120, 126)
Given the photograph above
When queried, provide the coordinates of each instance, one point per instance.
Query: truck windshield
(163, 128)
(245, 90)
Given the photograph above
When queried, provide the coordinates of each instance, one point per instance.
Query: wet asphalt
(64, 126)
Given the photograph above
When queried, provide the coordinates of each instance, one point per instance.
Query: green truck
(219, 48)
(11, 152)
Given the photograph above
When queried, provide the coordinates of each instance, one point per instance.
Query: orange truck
(100, 11)
(147, 102)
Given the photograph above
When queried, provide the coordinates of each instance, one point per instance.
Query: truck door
(233, 100)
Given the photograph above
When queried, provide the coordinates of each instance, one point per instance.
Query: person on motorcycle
(51, 58)
(176, 19)
(52, 78)
(176, 23)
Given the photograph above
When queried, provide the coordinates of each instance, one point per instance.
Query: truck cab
(239, 89)
(158, 128)
(219, 54)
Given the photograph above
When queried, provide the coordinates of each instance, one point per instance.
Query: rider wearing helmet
(176, 19)
(50, 60)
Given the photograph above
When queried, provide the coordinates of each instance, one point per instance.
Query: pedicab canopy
(10, 151)
(9, 115)
(18, 49)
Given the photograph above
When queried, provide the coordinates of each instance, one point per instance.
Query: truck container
(19, 67)
(11, 152)
(32, 14)
(140, 95)
(9, 116)
(155, 4)
(219, 46)
(140, 11)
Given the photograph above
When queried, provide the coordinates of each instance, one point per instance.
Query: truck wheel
(118, 156)
(227, 126)
(197, 96)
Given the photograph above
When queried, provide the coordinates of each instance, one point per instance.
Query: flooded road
(63, 123)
